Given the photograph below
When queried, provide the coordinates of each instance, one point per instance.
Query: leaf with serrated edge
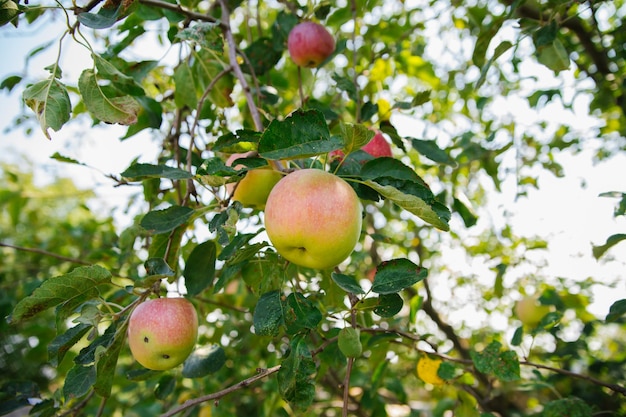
(410, 203)
(82, 281)
(122, 110)
(50, 102)
(139, 172)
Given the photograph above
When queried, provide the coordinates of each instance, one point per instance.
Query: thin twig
(177, 8)
(262, 373)
(232, 56)
(46, 253)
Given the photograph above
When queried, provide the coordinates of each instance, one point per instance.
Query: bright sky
(573, 216)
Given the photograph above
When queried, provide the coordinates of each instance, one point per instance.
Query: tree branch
(179, 9)
(262, 373)
(46, 253)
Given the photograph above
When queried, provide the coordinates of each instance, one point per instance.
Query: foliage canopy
(372, 337)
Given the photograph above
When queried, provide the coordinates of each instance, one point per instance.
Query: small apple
(313, 218)
(162, 332)
(309, 44)
(377, 147)
(253, 189)
(529, 311)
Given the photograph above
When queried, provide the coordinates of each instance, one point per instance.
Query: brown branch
(261, 373)
(46, 253)
(232, 55)
(613, 387)
(179, 9)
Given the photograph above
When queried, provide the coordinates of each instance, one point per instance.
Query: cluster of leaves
(233, 91)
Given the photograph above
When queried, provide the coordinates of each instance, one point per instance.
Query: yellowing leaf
(122, 110)
(380, 70)
(427, 370)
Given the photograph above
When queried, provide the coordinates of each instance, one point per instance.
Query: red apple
(309, 44)
(377, 147)
(313, 218)
(162, 332)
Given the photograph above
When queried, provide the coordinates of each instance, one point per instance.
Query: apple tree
(381, 283)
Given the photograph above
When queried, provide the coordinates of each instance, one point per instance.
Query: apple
(253, 189)
(162, 332)
(377, 147)
(309, 44)
(529, 311)
(313, 218)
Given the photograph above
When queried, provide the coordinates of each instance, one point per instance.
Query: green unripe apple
(349, 341)
(162, 332)
(529, 311)
(313, 218)
(252, 190)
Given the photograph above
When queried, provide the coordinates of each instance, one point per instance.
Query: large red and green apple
(162, 332)
(254, 188)
(313, 218)
(309, 44)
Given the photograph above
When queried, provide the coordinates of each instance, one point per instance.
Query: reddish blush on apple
(309, 44)
(377, 147)
(313, 218)
(162, 332)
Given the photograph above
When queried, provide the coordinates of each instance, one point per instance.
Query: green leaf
(346, 84)
(430, 150)
(204, 362)
(554, 56)
(78, 381)
(262, 56)
(397, 274)
(487, 33)
(165, 386)
(435, 215)
(567, 407)
(8, 11)
(268, 314)
(106, 364)
(225, 224)
(303, 134)
(163, 221)
(122, 110)
(347, 283)
(620, 209)
(140, 172)
(158, 267)
(200, 267)
(105, 18)
(123, 82)
(468, 216)
(349, 341)
(12, 80)
(493, 360)
(206, 34)
(241, 140)
(401, 185)
(300, 314)
(613, 240)
(61, 344)
(617, 310)
(500, 49)
(88, 354)
(294, 376)
(354, 136)
(82, 282)
(61, 158)
(545, 35)
(50, 102)
(185, 88)
(389, 305)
